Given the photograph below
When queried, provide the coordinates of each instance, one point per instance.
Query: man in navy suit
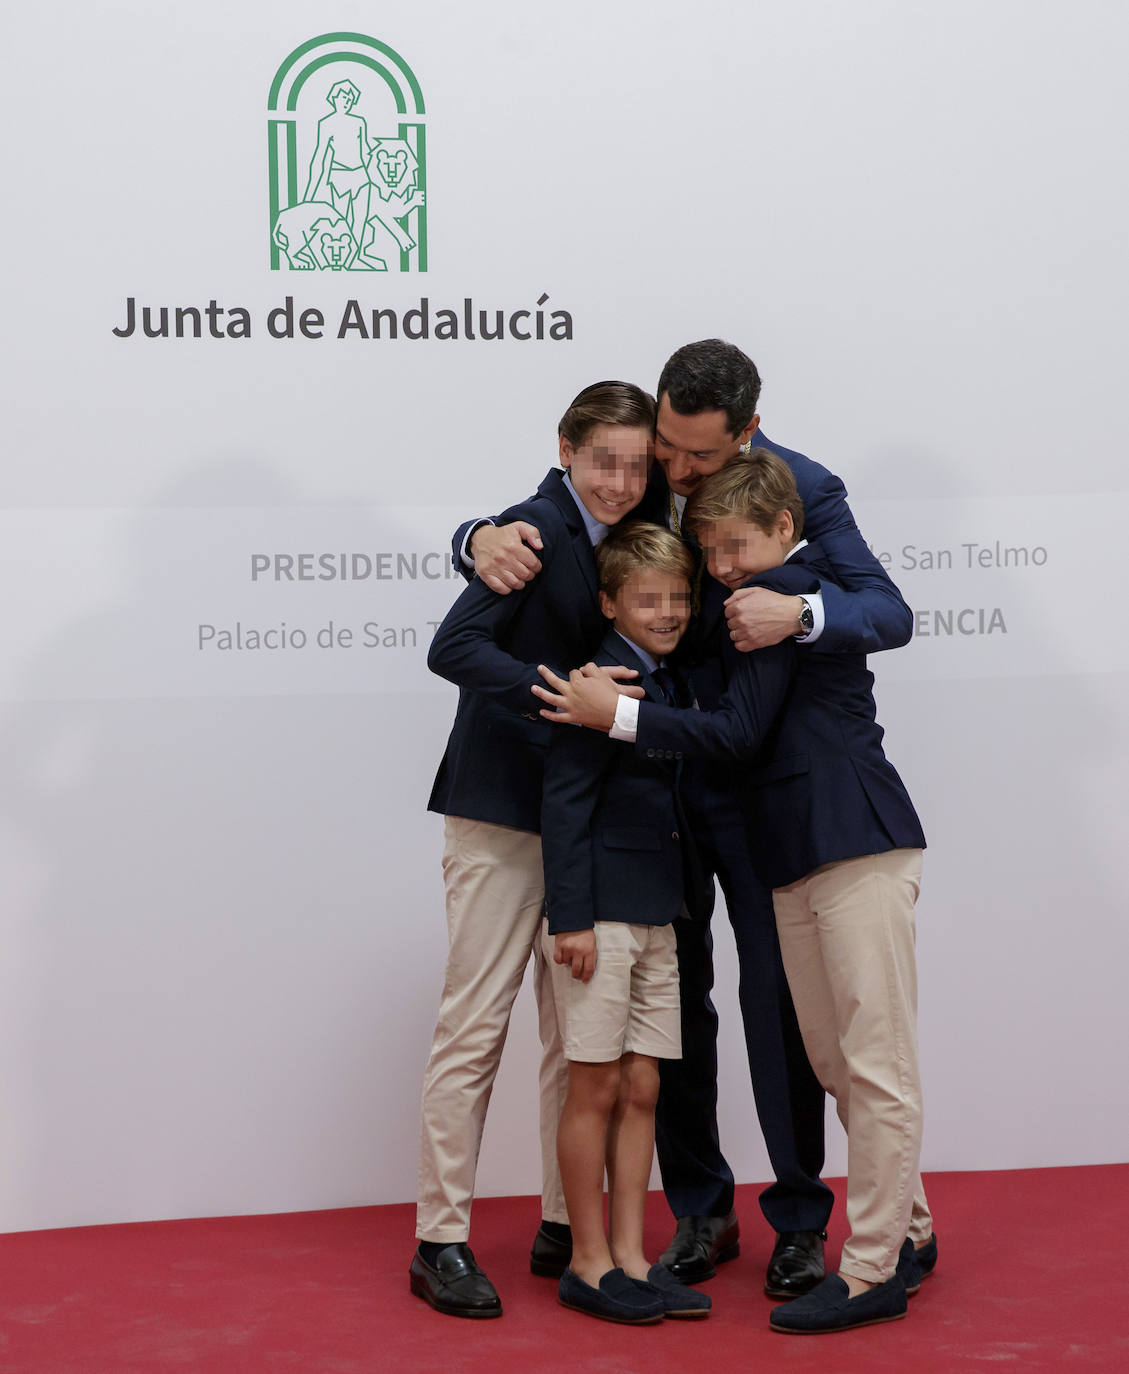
(707, 415)
(831, 828)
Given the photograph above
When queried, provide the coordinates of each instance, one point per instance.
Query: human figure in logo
(339, 171)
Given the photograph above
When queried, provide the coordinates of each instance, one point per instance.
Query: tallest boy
(707, 414)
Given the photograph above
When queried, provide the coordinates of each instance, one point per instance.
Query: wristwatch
(807, 619)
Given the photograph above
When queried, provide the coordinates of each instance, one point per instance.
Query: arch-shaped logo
(347, 159)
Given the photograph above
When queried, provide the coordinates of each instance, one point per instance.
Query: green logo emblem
(347, 159)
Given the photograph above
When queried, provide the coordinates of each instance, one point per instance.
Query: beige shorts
(629, 1005)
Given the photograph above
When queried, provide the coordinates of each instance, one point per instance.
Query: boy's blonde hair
(636, 546)
(756, 488)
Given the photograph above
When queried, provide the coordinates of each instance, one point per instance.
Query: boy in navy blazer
(619, 870)
(832, 829)
(488, 788)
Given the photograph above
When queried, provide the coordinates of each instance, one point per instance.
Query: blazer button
(650, 753)
(678, 755)
(674, 834)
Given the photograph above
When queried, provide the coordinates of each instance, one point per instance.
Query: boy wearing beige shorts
(617, 874)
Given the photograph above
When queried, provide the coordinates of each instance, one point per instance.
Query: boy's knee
(595, 1085)
(639, 1081)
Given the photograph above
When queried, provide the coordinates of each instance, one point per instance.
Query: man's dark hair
(712, 375)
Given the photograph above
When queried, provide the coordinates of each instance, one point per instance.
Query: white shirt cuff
(626, 725)
(464, 552)
(819, 618)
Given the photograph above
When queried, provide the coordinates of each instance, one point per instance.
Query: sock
(559, 1231)
(429, 1250)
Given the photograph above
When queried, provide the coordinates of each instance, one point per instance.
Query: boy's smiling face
(609, 470)
(737, 549)
(651, 609)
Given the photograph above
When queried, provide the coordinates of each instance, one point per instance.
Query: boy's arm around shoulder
(863, 609)
(465, 649)
(575, 767)
(735, 731)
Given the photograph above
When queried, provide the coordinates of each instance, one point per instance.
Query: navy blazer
(614, 841)
(490, 645)
(813, 779)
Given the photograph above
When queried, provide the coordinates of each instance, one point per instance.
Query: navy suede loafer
(618, 1298)
(915, 1265)
(830, 1308)
(677, 1299)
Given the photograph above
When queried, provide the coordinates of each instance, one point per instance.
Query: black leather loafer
(915, 1265)
(454, 1284)
(828, 1308)
(699, 1245)
(549, 1258)
(796, 1265)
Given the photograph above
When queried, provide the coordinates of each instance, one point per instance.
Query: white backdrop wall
(221, 906)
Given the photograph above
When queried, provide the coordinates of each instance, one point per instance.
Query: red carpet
(1030, 1277)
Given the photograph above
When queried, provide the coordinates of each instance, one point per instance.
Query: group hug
(661, 663)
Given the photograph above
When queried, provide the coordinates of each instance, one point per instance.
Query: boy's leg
(862, 912)
(581, 1144)
(630, 1152)
(553, 1081)
(495, 889)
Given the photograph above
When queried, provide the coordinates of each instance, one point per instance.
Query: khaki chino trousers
(495, 890)
(847, 940)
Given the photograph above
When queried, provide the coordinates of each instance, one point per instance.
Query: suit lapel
(554, 489)
(617, 650)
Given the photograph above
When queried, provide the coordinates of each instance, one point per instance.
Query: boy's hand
(503, 555)
(587, 698)
(758, 617)
(578, 948)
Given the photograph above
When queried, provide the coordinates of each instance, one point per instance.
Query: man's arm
(862, 608)
(500, 549)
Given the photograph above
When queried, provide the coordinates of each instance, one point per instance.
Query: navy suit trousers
(789, 1099)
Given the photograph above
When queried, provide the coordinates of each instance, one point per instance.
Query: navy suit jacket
(614, 841)
(490, 646)
(813, 780)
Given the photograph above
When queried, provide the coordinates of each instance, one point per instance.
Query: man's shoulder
(807, 472)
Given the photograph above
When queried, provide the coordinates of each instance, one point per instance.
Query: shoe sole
(420, 1289)
(607, 1316)
(689, 1314)
(830, 1330)
(729, 1253)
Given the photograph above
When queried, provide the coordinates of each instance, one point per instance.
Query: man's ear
(567, 452)
(607, 606)
(749, 430)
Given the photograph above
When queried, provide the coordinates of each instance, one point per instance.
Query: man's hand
(503, 555)
(588, 697)
(578, 948)
(758, 617)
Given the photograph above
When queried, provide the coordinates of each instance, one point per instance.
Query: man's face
(609, 470)
(652, 609)
(690, 447)
(737, 549)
